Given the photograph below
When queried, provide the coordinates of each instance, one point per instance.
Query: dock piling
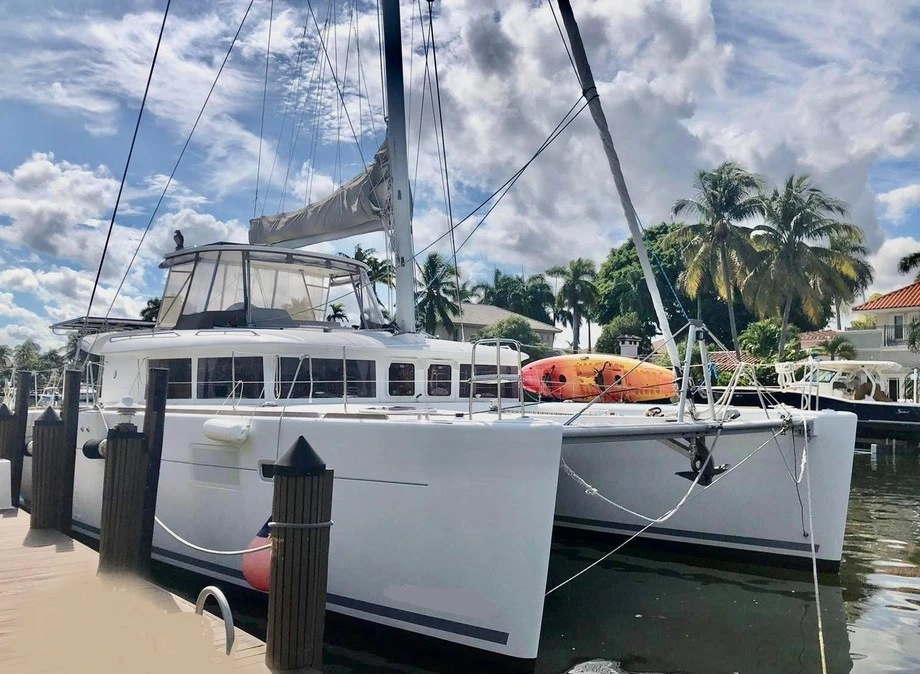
(301, 512)
(13, 433)
(70, 415)
(129, 488)
(48, 470)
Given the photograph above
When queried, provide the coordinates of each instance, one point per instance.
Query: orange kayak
(584, 376)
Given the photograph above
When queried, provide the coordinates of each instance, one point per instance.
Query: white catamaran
(447, 485)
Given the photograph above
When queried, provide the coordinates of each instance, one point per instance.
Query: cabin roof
(296, 256)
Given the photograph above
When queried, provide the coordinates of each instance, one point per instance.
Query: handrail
(214, 591)
(498, 342)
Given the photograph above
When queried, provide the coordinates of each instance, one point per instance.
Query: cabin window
(174, 296)
(439, 379)
(216, 377)
(180, 376)
(326, 378)
(487, 390)
(402, 379)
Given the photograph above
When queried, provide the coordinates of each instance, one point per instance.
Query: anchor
(697, 463)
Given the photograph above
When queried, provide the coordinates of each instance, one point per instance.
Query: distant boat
(857, 386)
(616, 379)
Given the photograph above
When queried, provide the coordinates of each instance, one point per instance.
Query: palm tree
(795, 259)
(436, 298)
(531, 296)
(152, 310)
(337, 313)
(379, 271)
(864, 272)
(6, 357)
(838, 347)
(578, 292)
(715, 246)
(761, 338)
(910, 262)
(25, 356)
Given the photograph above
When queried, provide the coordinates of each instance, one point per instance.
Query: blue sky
(826, 88)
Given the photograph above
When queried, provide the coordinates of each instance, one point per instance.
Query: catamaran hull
(757, 511)
(442, 529)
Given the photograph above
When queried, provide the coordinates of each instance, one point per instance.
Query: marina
(375, 485)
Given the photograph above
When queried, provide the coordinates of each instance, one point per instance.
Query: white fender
(234, 431)
(6, 495)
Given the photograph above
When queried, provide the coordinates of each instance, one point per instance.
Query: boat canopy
(847, 366)
(239, 285)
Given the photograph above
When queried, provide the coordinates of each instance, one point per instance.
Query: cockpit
(244, 286)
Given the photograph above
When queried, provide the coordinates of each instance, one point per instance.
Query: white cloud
(899, 202)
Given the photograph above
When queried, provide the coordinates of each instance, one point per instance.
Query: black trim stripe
(697, 535)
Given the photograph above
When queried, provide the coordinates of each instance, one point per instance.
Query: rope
(687, 497)
(593, 491)
(450, 212)
(268, 51)
(230, 553)
(124, 176)
(814, 559)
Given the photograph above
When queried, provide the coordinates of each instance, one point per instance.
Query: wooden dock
(56, 614)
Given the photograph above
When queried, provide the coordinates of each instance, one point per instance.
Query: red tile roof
(897, 299)
(727, 360)
(817, 335)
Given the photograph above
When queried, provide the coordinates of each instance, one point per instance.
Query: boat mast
(597, 112)
(399, 168)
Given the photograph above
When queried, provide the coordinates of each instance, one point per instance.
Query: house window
(402, 379)
(180, 376)
(217, 376)
(899, 327)
(439, 379)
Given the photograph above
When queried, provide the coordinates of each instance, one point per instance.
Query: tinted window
(180, 376)
(326, 378)
(439, 380)
(216, 377)
(402, 379)
(484, 390)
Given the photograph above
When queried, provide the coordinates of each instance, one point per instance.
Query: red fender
(257, 565)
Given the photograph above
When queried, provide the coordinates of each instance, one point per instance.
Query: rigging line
(425, 80)
(450, 213)
(124, 176)
(565, 44)
(411, 62)
(345, 88)
(317, 103)
(181, 154)
(336, 81)
(383, 89)
(293, 101)
(362, 74)
(510, 182)
(268, 50)
(518, 175)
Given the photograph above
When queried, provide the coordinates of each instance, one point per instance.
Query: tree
(337, 313)
(718, 248)
(516, 327)
(25, 356)
(794, 257)
(761, 339)
(435, 299)
(838, 347)
(379, 271)
(152, 311)
(625, 324)
(864, 273)
(530, 296)
(910, 262)
(578, 292)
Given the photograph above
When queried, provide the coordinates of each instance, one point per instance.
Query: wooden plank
(44, 565)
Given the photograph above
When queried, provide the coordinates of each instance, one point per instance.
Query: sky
(828, 88)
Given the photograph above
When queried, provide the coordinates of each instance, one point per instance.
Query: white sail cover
(358, 207)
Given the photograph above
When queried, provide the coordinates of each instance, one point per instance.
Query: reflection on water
(654, 612)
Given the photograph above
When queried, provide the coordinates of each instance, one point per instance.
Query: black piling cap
(5, 412)
(300, 460)
(49, 416)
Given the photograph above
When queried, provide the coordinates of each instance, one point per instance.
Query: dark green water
(654, 612)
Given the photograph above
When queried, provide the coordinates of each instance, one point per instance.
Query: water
(656, 612)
